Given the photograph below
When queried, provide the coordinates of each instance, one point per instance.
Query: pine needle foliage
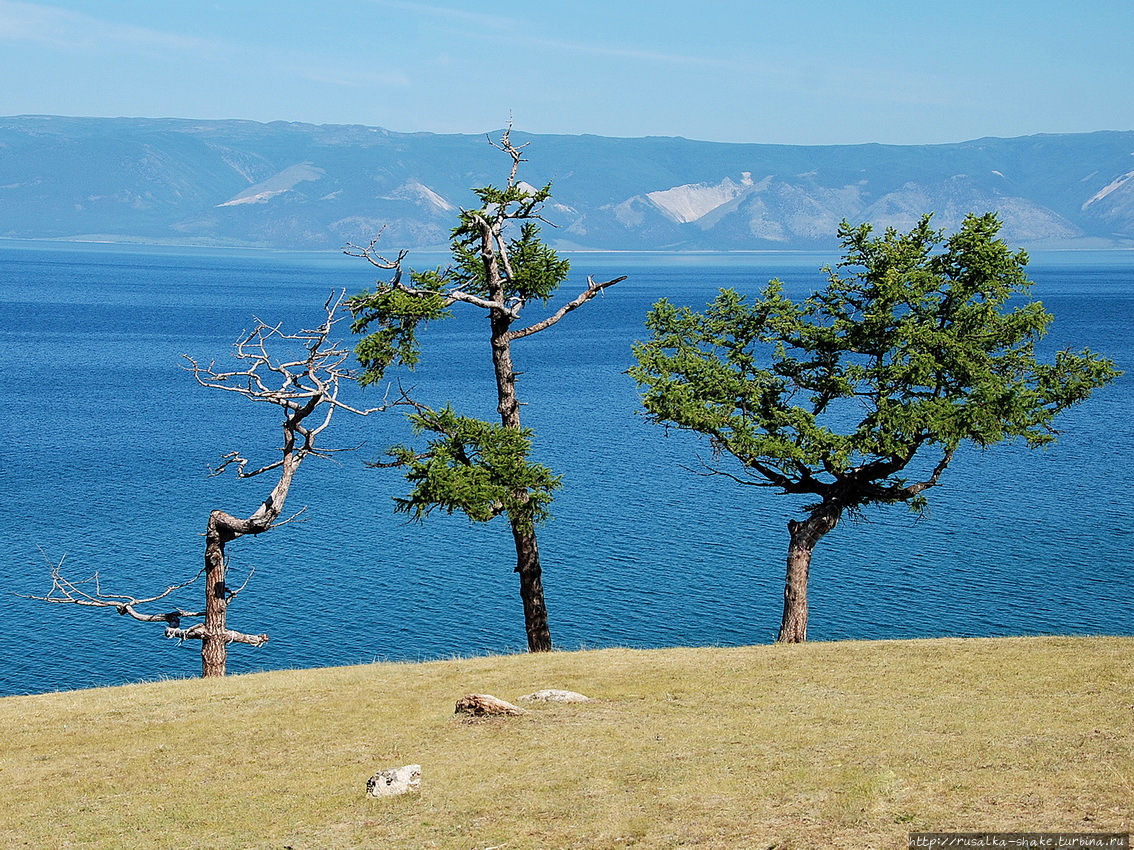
(860, 394)
(499, 264)
(469, 465)
(474, 467)
(917, 344)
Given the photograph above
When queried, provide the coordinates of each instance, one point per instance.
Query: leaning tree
(300, 373)
(861, 394)
(471, 466)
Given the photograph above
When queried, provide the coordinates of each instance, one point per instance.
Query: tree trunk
(223, 528)
(523, 532)
(531, 589)
(507, 403)
(804, 536)
(214, 645)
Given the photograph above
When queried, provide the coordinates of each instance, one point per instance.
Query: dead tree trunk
(308, 384)
(214, 644)
(214, 632)
(304, 382)
(222, 528)
(804, 536)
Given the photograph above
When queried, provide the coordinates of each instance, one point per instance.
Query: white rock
(394, 781)
(554, 695)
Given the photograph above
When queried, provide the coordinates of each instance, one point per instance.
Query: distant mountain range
(287, 185)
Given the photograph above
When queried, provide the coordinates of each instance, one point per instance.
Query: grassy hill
(850, 744)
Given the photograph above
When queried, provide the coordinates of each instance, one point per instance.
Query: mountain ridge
(305, 186)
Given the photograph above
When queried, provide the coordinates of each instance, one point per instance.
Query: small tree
(302, 377)
(861, 394)
(472, 466)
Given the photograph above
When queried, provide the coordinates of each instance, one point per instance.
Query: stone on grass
(394, 781)
(554, 695)
(486, 705)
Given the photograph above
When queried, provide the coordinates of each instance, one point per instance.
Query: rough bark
(804, 536)
(531, 589)
(222, 528)
(523, 534)
(507, 404)
(214, 646)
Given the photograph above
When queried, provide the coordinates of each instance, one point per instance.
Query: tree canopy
(861, 393)
(473, 467)
(499, 264)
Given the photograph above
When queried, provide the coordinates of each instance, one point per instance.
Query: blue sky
(797, 72)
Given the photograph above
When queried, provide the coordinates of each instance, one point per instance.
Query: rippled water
(107, 442)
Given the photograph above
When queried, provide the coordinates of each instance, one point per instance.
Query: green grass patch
(850, 744)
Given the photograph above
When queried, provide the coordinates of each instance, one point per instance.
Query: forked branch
(314, 371)
(89, 593)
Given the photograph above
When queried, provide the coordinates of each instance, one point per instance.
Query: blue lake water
(107, 442)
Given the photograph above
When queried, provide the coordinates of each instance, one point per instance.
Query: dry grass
(822, 745)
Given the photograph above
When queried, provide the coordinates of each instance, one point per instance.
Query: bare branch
(300, 384)
(582, 298)
(375, 259)
(295, 517)
(514, 151)
(709, 471)
(240, 462)
(197, 632)
(67, 592)
(299, 372)
(484, 303)
(451, 296)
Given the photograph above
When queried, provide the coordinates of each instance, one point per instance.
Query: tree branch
(197, 632)
(484, 303)
(375, 259)
(582, 298)
(300, 384)
(514, 151)
(67, 592)
(914, 489)
(711, 471)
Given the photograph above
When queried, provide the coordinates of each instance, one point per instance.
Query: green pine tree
(861, 394)
(478, 468)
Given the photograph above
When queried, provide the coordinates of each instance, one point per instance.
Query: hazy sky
(793, 71)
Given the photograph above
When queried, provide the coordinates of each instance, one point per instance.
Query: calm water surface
(108, 442)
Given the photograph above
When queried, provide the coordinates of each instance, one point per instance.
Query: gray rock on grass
(394, 781)
(554, 695)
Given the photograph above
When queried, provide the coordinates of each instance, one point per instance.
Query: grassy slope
(822, 745)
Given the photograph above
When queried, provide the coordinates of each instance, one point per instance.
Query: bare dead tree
(303, 378)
